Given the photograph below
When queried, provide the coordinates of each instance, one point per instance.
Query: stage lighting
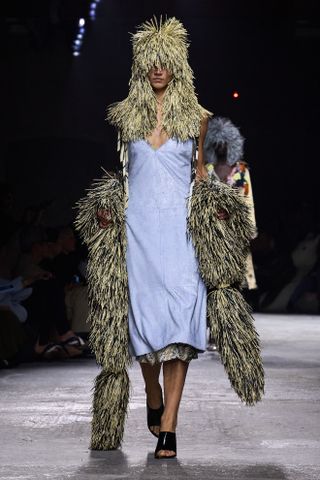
(77, 43)
(92, 12)
(235, 95)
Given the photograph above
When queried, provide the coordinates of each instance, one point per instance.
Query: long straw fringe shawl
(231, 325)
(108, 308)
(110, 405)
(221, 248)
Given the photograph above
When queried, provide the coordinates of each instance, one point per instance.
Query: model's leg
(174, 374)
(151, 375)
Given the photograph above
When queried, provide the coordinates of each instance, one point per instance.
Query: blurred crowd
(43, 292)
(43, 287)
(287, 262)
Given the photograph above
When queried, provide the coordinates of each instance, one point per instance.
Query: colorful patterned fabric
(174, 351)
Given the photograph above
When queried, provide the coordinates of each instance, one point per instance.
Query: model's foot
(166, 446)
(155, 402)
(168, 424)
(166, 454)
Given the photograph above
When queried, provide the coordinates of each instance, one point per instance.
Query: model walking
(148, 289)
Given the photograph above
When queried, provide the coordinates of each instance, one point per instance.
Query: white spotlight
(82, 22)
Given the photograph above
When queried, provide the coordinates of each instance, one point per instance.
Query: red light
(235, 95)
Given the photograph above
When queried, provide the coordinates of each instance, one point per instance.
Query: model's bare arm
(201, 171)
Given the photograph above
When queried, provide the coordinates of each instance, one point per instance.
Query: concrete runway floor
(45, 419)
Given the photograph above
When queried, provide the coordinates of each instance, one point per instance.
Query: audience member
(13, 315)
(306, 295)
(66, 264)
(46, 306)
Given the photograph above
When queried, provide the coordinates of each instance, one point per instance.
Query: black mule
(154, 417)
(166, 441)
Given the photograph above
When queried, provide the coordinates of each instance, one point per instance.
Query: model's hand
(104, 218)
(201, 173)
(223, 215)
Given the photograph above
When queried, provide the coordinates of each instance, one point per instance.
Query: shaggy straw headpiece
(222, 130)
(164, 45)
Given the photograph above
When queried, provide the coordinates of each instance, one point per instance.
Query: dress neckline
(152, 147)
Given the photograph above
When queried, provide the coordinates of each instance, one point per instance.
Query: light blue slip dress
(167, 295)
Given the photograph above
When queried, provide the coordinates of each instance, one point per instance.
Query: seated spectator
(68, 265)
(46, 305)
(12, 292)
(77, 302)
(13, 315)
(63, 258)
(12, 338)
(274, 268)
(299, 239)
(306, 296)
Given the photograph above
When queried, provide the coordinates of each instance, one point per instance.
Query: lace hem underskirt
(174, 351)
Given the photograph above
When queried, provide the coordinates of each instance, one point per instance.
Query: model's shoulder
(206, 115)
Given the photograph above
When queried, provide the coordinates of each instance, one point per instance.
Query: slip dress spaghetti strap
(167, 297)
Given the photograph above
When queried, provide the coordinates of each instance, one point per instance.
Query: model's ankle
(154, 396)
(168, 423)
(153, 388)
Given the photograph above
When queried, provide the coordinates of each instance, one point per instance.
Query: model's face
(159, 78)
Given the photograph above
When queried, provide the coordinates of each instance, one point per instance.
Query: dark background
(55, 138)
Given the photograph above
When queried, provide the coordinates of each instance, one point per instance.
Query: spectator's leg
(38, 308)
(12, 338)
(307, 284)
